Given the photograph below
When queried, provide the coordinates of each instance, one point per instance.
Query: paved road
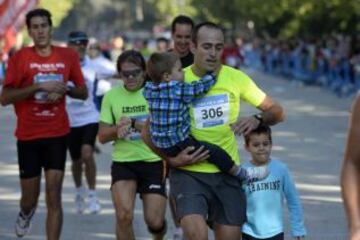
(311, 142)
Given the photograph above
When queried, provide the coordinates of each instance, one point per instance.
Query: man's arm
(272, 113)
(107, 132)
(350, 175)
(185, 157)
(79, 92)
(10, 95)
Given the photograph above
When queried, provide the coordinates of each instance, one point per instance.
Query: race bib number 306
(211, 111)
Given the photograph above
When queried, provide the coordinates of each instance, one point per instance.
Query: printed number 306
(211, 113)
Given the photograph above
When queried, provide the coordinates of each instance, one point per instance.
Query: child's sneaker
(23, 223)
(253, 174)
(79, 203)
(94, 205)
(178, 234)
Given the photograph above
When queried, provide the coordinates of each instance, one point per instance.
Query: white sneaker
(79, 203)
(178, 234)
(257, 173)
(23, 224)
(94, 205)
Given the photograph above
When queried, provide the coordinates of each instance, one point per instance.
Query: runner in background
(84, 118)
(162, 44)
(181, 30)
(35, 83)
(104, 69)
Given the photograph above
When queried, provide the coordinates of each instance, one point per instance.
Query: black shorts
(279, 236)
(150, 176)
(218, 197)
(80, 136)
(47, 153)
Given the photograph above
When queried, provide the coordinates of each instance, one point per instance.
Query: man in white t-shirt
(84, 118)
(104, 69)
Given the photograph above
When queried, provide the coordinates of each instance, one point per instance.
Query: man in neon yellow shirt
(202, 193)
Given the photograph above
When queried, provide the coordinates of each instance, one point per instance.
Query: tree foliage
(277, 18)
(59, 9)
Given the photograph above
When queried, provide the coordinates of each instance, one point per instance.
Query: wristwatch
(68, 89)
(259, 117)
(133, 120)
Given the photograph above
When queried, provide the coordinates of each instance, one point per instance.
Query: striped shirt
(169, 108)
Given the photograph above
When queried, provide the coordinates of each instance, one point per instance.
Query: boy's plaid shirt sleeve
(199, 87)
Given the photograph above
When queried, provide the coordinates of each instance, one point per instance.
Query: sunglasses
(133, 73)
(78, 42)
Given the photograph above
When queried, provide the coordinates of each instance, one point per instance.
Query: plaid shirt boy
(169, 108)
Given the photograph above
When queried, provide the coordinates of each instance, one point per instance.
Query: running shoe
(23, 223)
(178, 234)
(79, 203)
(254, 174)
(94, 205)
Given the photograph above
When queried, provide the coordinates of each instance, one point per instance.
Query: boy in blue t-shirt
(169, 98)
(264, 199)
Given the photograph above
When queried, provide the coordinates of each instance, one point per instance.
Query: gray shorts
(218, 197)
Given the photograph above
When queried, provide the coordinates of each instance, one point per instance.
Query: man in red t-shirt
(35, 83)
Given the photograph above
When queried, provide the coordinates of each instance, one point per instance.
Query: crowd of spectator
(332, 62)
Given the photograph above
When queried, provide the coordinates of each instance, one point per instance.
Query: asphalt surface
(311, 141)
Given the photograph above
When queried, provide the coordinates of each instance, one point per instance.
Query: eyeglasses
(133, 73)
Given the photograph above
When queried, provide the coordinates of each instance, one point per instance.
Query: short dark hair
(160, 63)
(130, 56)
(162, 39)
(261, 129)
(181, 19)
(210, 25)
(38, 12)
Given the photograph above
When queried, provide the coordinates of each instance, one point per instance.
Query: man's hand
(124, 121)
(53, 86)
(54, 97)
(123, 127)
(245, 125)
(122, 130)
(187, 156)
